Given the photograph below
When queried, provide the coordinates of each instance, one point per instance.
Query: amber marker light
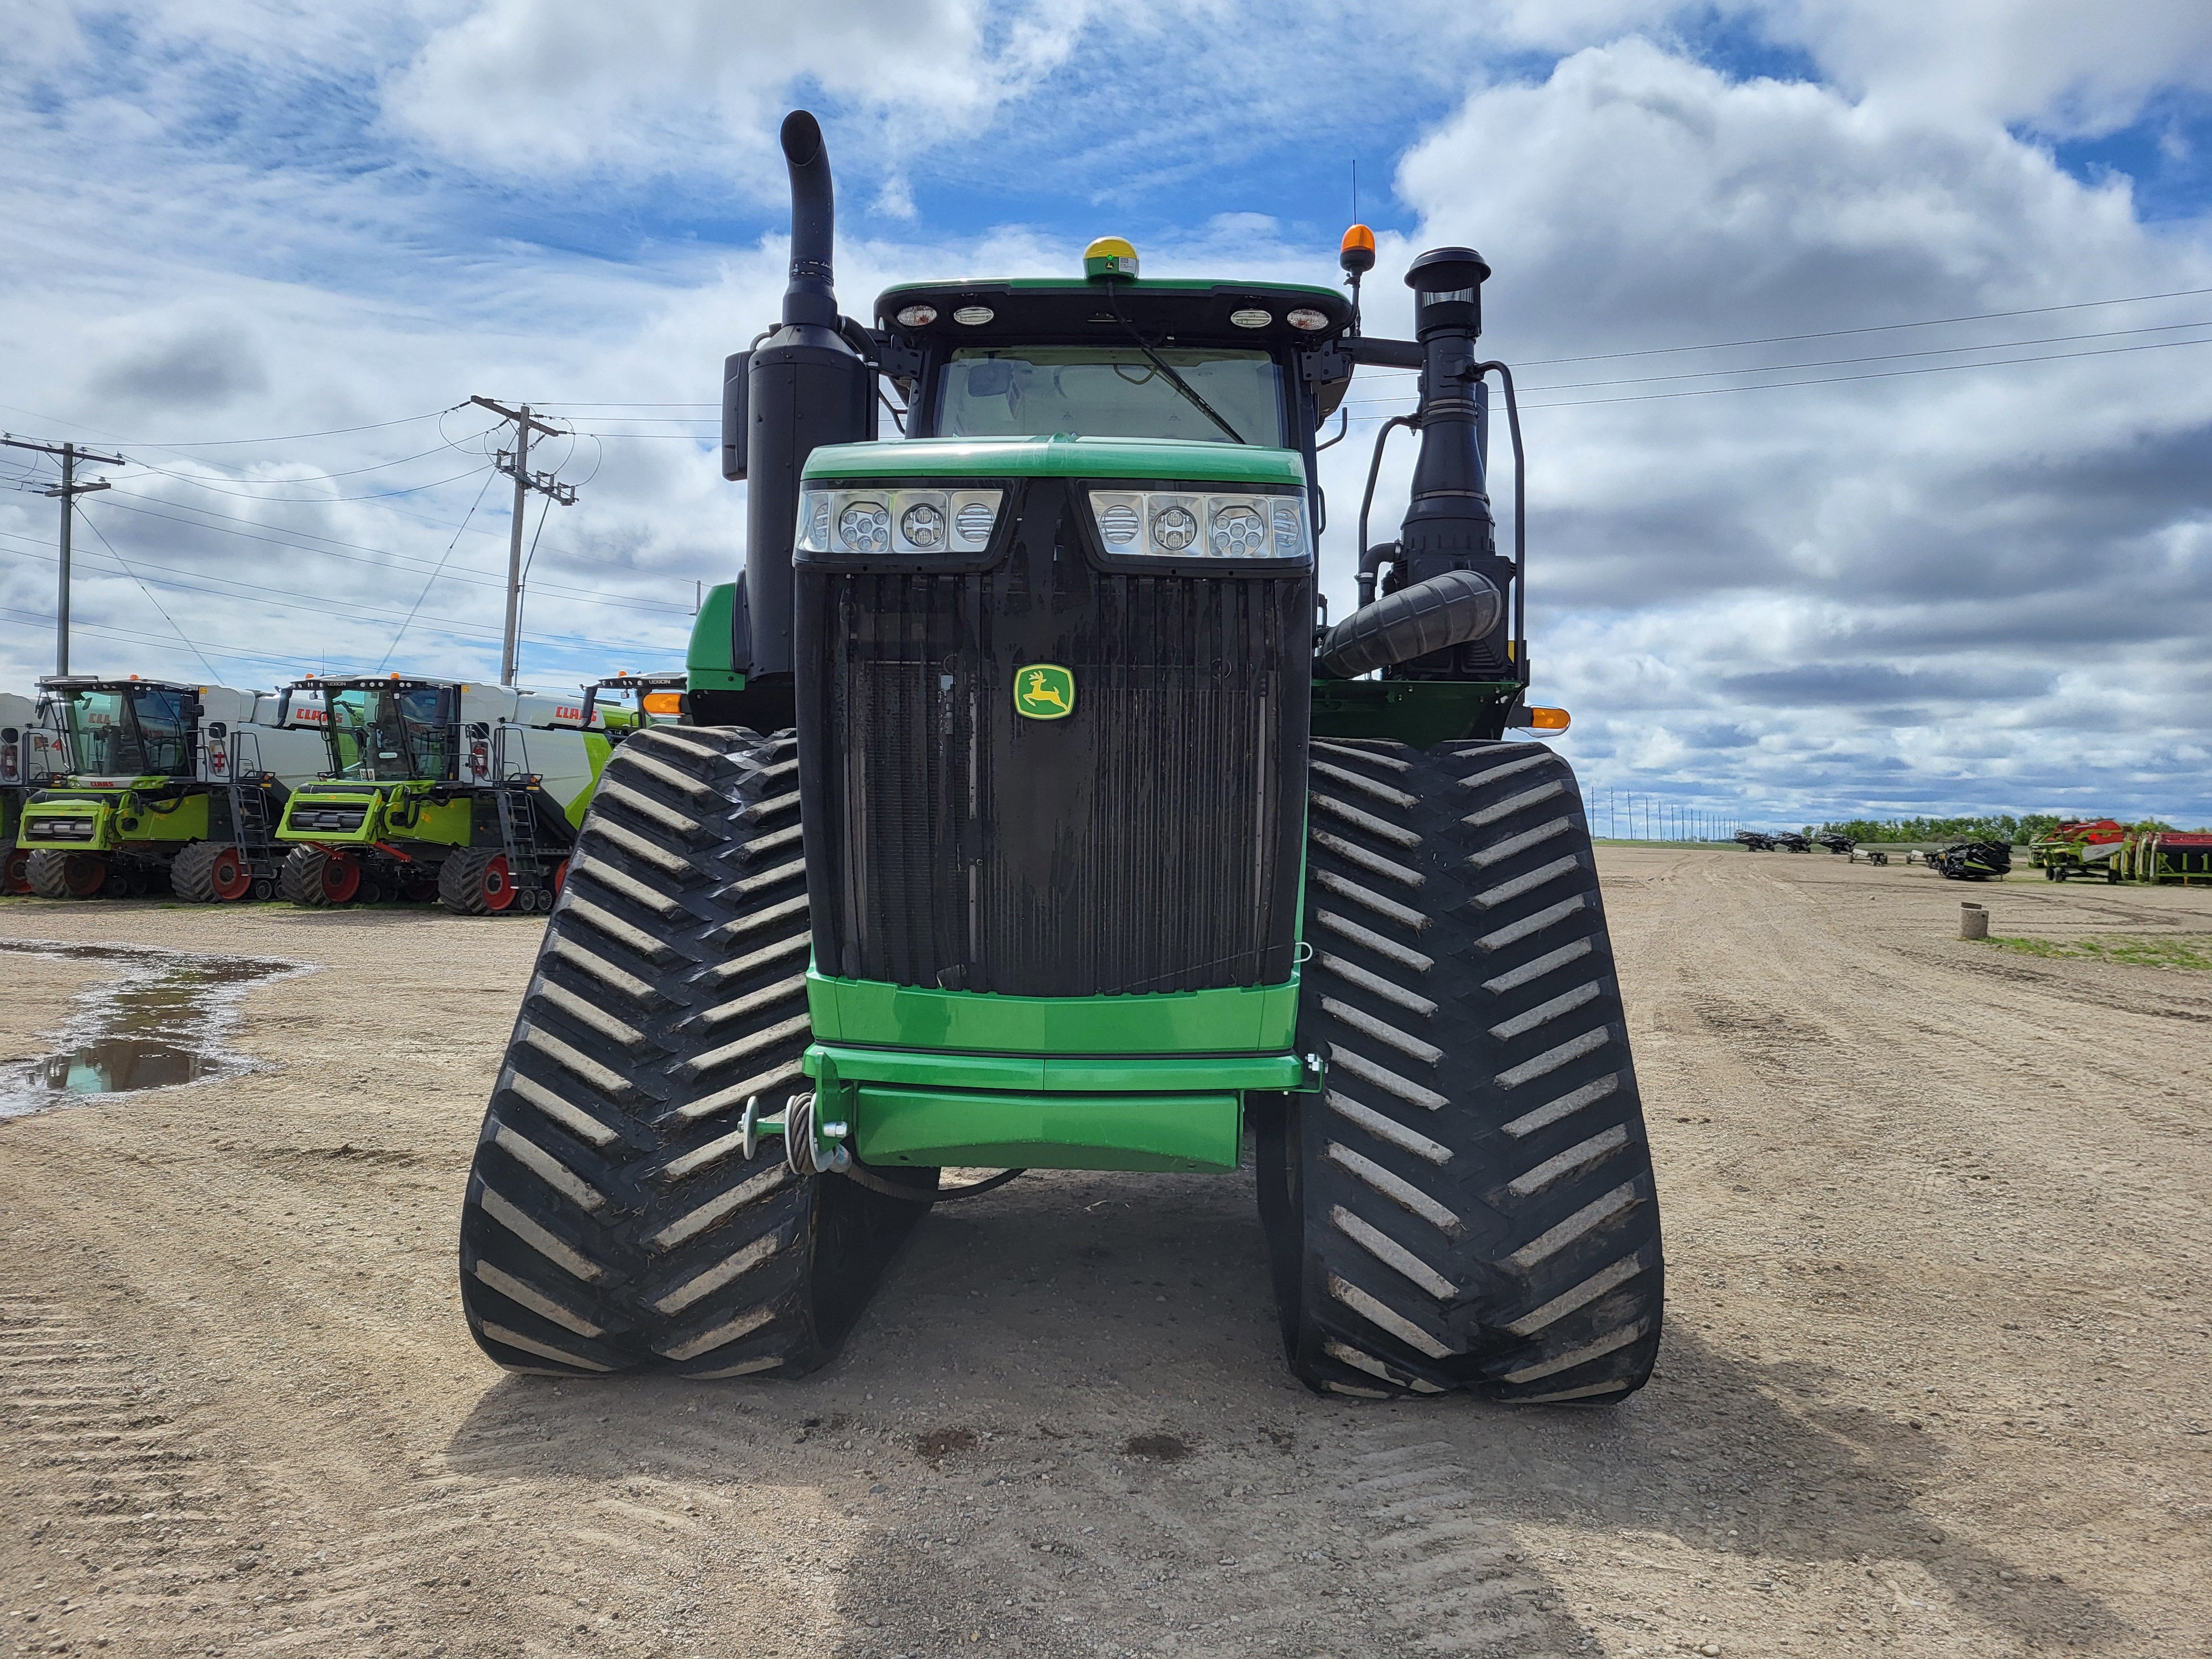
(1549, 719)
(664, 702)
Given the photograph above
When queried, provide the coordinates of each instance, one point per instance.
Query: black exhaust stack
(1445, 617)
(803, 386)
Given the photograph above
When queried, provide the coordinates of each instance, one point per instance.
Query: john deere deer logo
(1044, 691)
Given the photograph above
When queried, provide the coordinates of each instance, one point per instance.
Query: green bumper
(968, 1079)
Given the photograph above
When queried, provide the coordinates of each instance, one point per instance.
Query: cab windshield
(135, 731)
(1111, 391)
(389, 733)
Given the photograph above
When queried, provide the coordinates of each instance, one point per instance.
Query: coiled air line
(803, 1152)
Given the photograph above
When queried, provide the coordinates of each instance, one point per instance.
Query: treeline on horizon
(1995, 826)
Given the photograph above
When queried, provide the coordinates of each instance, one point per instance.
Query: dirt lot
(1934, 1381)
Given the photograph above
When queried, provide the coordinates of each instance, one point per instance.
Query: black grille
(330, 818)
(1147, 842)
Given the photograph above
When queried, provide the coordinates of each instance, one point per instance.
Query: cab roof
(1074, 310)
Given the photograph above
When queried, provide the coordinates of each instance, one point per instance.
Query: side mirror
(737, 377)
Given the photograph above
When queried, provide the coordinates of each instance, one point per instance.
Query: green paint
(1232, 1020)
(1054, 1074)
(446, 822)
(1044, 691)
(1421, 713)
(942, 1126)
(37, 817)
(596, 751)
(711, 665)
(1169, 460)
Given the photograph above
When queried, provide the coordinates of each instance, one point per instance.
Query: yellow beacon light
(1109, 256)
(1356, 253)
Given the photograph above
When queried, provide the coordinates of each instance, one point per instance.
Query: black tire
(1469, 1204)
(58, 875)
(14, 867)
(192, 872)
(305, 878)
(612, 1221)
(476, 882)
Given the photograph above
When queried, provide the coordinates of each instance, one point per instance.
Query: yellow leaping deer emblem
(1044, 691)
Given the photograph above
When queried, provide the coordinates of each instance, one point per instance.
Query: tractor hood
(1179, 460)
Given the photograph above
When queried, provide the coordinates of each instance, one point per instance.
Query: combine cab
(435, 789)
(623, 703)
(169, 785)
(1028, 819)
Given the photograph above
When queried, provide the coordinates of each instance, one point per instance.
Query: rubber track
(192, 872)
(301, 879)
(613, 1222)
(1475, 1188)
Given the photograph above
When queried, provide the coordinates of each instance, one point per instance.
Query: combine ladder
(252, 824)
(512, 789)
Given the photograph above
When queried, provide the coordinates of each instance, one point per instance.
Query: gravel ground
(1933, 1381)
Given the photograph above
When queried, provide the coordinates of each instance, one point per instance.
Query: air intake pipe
(1443, 615)
(806, 386)
(1447, 610)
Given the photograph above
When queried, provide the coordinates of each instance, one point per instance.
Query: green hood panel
(1169, 459)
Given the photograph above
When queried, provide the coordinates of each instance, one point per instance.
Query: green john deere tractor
(1026, 819)
(437, 789)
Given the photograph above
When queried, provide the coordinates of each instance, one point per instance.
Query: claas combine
(444, 790)
(146, 784)
(1027, 815)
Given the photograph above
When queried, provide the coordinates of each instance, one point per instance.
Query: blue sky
(1959, 565)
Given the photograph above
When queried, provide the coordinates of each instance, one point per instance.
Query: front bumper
(965, 1079)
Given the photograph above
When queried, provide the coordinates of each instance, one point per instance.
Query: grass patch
(2161, 951)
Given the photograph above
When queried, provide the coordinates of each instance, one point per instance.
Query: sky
(1865, 346)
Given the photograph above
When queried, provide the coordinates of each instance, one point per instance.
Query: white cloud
(1893, 575)
(552, 86)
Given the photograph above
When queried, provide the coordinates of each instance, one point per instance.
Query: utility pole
(516, 465)
(68, 490)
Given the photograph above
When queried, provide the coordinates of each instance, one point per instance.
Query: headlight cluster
(1172, 524)
(875, 523)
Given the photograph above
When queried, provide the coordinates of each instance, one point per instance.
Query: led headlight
(1213, 526)
(873, 523)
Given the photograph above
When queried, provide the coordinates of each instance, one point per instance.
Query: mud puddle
(162, 1019)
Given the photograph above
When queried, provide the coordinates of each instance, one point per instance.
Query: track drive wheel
(1469, 1204)
(476, 882)
(210, 873)
(613, 1221)
(57, 875)
(317, 877)
(15, 869)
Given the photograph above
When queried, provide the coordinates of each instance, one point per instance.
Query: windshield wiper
(1173, 379)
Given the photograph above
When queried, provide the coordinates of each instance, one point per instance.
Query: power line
(148, 593)
(1871, 328)
(433, 577)
(385, 558)
(313, 501)
(68, 489)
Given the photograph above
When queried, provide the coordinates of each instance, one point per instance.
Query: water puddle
(162, 1019)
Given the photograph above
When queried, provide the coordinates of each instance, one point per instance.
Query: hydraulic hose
(1520, 520)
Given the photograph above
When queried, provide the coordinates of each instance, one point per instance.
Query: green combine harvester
(465, 794)
(167, 785)
(1034, 819)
